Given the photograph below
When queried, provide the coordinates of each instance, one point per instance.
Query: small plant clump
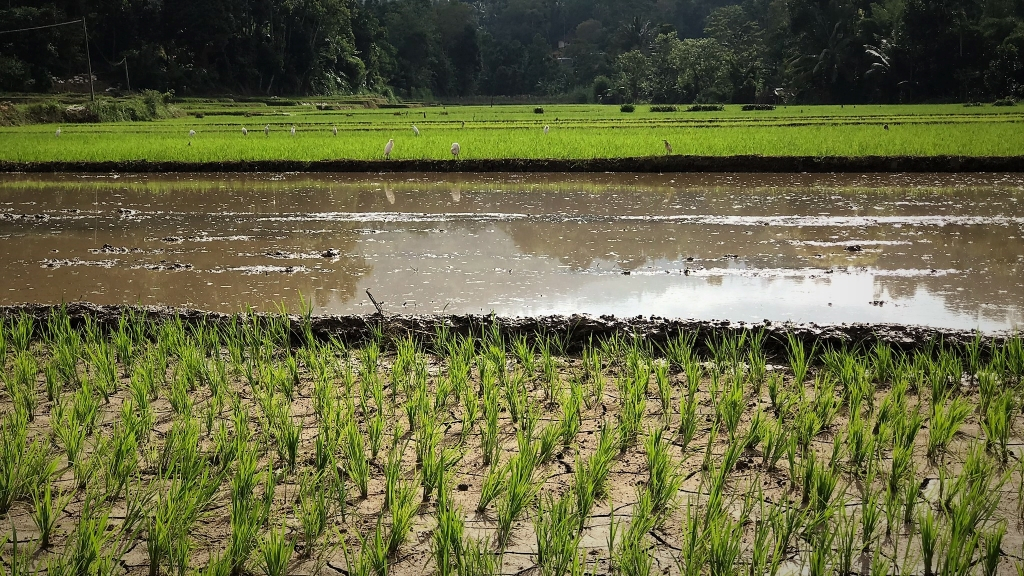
(627, 108)
(706, 108)
(753, 107)
(250, 445)
(663, 108)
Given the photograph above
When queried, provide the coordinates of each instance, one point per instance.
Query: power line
(40, 27)
(85, 31)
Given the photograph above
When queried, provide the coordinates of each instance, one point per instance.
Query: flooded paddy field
(937, 250)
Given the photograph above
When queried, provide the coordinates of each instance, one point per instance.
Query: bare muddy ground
(930, 249)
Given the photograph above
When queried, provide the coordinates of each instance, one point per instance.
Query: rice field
(503, 132)
(254, 446)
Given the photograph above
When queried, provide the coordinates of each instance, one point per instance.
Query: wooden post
(92, 91)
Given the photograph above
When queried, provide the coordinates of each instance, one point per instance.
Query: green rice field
(252, 446)
(516, 131)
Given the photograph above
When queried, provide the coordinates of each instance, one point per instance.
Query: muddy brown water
(928, 249)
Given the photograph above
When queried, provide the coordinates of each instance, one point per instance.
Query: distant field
(502, 132)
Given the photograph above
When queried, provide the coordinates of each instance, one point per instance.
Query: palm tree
(638, 33)
(884, 68)
(825, 66)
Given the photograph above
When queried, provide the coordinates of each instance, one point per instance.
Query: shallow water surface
(941, 250)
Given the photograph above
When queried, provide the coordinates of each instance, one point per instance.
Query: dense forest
(671, 51)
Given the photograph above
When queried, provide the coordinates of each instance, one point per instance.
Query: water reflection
(924, 249)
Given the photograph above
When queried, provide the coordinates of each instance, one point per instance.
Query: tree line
(660, 51)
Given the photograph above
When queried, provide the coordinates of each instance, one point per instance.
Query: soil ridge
(576, 330)
(657, 164)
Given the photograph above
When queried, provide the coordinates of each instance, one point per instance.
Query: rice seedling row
(162, 447)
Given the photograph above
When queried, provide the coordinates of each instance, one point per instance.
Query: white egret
(546, 128)
(266, 130)
(244, 131)
(57, 133)
(456, 149)
(668, 147)
(388, 148)
(415, 130)
(293, 129)
(335, 130)
(191, 133)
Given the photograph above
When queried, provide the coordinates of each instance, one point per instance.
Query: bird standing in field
(57, 133)
(293, 129)
(388, 148)
(191, 133)
(546, 128)
(244, 131)
(266, 130)
(463, 123)
(335, 130)
(668, 147)
(885, 127)
(415, 130)
(455, 150)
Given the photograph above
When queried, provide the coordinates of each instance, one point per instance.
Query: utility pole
(92, 91)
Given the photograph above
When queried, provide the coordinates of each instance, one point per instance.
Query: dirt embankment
(575, 331)
(640, 164)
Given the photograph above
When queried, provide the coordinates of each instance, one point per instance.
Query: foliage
(150, 105)
(674, 51)
(703, 70)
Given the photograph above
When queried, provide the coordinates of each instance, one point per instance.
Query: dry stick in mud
(375, 304)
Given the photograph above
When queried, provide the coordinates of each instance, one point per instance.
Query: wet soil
(575, 331)
(657, 164)
(938, 250)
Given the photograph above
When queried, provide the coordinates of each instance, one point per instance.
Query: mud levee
(655, 164)
(575, 331)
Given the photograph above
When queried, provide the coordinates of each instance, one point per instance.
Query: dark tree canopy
(671, 51)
